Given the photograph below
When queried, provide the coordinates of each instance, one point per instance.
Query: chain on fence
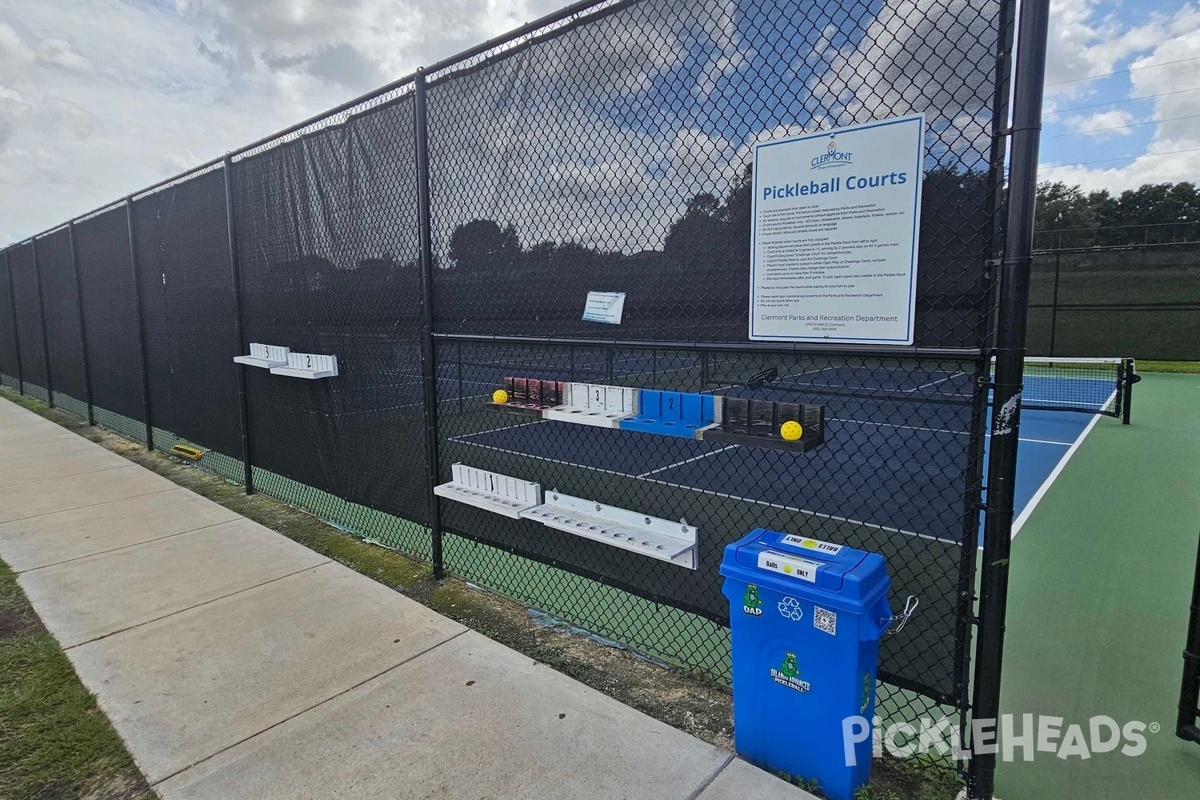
(607, 149)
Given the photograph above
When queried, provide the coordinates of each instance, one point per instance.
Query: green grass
(1169, 366)
(54, 740)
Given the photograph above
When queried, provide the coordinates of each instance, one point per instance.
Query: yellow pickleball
(791, 430)
(499, 396)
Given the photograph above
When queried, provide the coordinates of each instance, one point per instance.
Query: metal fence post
(1010, 354)
(37, 282)
(12, 303)
(1188, 726)
(141, 320)
(235, 274)
(1054, 302)
(87, 366)
(428, 366)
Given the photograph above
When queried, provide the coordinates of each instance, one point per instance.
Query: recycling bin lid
(795, 561)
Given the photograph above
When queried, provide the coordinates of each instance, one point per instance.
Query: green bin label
(788, 675)
(751, 601)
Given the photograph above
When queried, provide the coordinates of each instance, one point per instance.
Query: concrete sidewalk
(236, 663)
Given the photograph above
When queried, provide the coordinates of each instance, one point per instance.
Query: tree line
(1152, 213)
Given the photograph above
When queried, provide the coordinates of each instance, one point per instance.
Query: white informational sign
(604, 307)
(833, 234)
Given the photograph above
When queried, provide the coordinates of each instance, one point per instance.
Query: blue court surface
(1048, 439)
(912, 427)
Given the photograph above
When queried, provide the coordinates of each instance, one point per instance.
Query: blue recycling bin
(806, 618)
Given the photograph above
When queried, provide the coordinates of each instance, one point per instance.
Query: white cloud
(917, 56)
(1179, 39)
(1101, 125)
(100, 97)
(1084, 44)
(59, 53)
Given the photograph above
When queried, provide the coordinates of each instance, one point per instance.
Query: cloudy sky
(101, 97)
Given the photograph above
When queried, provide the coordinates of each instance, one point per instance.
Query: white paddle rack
(490, 491)
(594, 404)
(264, 356)
(648, 536)
(308, 365)
(662, 539)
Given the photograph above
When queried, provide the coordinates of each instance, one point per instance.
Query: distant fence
(441, 234)
(1129, 291)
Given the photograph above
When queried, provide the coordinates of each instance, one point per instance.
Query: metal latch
(896, 622)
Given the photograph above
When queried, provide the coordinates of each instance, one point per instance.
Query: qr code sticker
(825, 620)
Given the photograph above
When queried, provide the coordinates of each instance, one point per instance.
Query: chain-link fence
(1132, 291)
(440, 238)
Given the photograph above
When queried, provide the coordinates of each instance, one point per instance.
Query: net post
(428, 367)
(141, 321)
(83, 343)
(1189, 692)
(1128, 377)
(1030, 73)
(12, 308)
(37, 282)
(239, 329)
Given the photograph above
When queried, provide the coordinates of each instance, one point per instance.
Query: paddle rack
(490, 491)
(756, 423)
(618, 527)
(685, 415)
(310, 366)
(530, 396)
(654, 537)
(264, 356)
(594, 404)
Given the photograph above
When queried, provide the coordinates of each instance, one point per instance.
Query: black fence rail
(1118, 291)
(440, 237)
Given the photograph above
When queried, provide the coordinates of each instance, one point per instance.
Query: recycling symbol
(790, 607)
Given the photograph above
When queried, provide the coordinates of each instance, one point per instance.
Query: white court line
(1047, 441)
(904, 427)
(935, 383)
(778, 380)
(462, 440)
(879, 393)
(1027, 511)
(686, 461)
(810, 512)
(494, 430)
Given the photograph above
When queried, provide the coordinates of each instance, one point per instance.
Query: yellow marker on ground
(499, 396)
(791, 430)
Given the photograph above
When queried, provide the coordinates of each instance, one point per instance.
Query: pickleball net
(1085, 385)
(1089, 385)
